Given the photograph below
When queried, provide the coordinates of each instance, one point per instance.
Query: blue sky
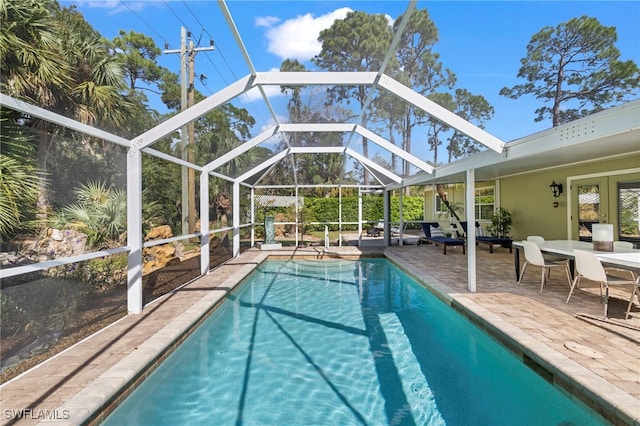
(481, 42)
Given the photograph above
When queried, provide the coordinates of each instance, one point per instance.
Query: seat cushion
(436, 232)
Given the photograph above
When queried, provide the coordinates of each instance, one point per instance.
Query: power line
(175, 14)
(204, 29)
(197, 20)
(145, 22)
(215, 67)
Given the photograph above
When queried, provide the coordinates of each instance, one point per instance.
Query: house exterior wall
(455, 195)
(529, 199)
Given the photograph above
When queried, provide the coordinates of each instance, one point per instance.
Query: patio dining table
(620, 258)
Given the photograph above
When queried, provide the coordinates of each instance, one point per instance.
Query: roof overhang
(611, 133)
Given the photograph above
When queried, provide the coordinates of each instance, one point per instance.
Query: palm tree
(52, 57)
(19, 181)
(31, 65)
(101, 213)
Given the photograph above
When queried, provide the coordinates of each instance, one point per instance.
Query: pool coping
(91, 404)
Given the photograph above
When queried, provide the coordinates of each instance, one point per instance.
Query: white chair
(622, 245)
(539, 240)
(533, 256)
(536, 239)
(589, 267)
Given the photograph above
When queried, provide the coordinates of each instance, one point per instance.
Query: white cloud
(297, 38)
(117, 6)
(266, 21)
(271, 91)
(254, 94)
(271, 122)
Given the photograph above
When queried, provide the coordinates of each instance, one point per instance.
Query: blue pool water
(341, 342)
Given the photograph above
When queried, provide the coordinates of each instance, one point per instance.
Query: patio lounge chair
(489, 240)
(373, 232)
(377, 230)
(433, 235)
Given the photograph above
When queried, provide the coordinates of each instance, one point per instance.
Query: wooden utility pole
(187, 134)
(191, 155)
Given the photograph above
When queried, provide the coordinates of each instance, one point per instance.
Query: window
(485, 202)
(628, 215)
(588, 208)
(440, 207)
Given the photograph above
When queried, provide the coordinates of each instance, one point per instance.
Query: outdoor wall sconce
(556, 188)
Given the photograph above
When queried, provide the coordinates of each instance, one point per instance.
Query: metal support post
(339, 216)
(205, 256)
(386, 203)
(470, 213)
(401, 225)
(236, 219)
(253, 217)
(134, 231)
(359, 216)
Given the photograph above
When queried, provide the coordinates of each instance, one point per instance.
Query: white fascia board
(372, 165)
(60, 120)
(619, 120)
(383, 143)
(192, 113)
(440, 113)
(305, 78)
(317, 127)
(317, 150)
(261, 166)
(240, 149)
(573, 137)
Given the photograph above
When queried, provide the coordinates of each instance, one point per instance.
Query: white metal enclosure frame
(498, 154)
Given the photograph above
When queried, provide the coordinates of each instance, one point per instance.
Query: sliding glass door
(591, 198)
(606, 199)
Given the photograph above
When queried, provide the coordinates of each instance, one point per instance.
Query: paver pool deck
(595, 361)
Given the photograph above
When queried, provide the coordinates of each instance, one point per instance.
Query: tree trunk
(443, 197)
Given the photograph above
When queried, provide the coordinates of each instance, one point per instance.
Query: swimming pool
(339, 343)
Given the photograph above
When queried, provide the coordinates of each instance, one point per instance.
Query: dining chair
(617, 246)
(622, 245)
(540, 240)
(590, 267)
(533, 256)
(536, 239)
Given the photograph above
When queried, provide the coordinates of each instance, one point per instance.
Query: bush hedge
(328, 210)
